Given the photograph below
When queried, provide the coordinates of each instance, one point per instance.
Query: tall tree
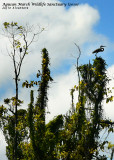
(18, 37)
(83, 126)
(40, 107)
(41, 138)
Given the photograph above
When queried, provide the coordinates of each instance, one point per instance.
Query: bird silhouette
(101, 49)
(20, 50)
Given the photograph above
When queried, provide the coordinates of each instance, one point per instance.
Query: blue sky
(89, 25)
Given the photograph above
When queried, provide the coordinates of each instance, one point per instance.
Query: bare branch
(77, 65)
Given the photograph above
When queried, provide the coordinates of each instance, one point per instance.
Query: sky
(88, 24)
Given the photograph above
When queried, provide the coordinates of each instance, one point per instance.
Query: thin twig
(78, 64)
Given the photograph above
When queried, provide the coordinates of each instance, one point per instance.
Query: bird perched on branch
(20, 49)
(101, 49)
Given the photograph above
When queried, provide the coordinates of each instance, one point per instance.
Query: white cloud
(59, 93)
(109, 107)
(2, 147)
(63, 27)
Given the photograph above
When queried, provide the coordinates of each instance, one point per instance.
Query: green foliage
(41, 138)
(43, 85)
(12, 24)
(55, 124)
(14, 102)
(8, 125)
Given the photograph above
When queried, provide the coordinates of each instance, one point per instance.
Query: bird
(101, 49)
(20, 50)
